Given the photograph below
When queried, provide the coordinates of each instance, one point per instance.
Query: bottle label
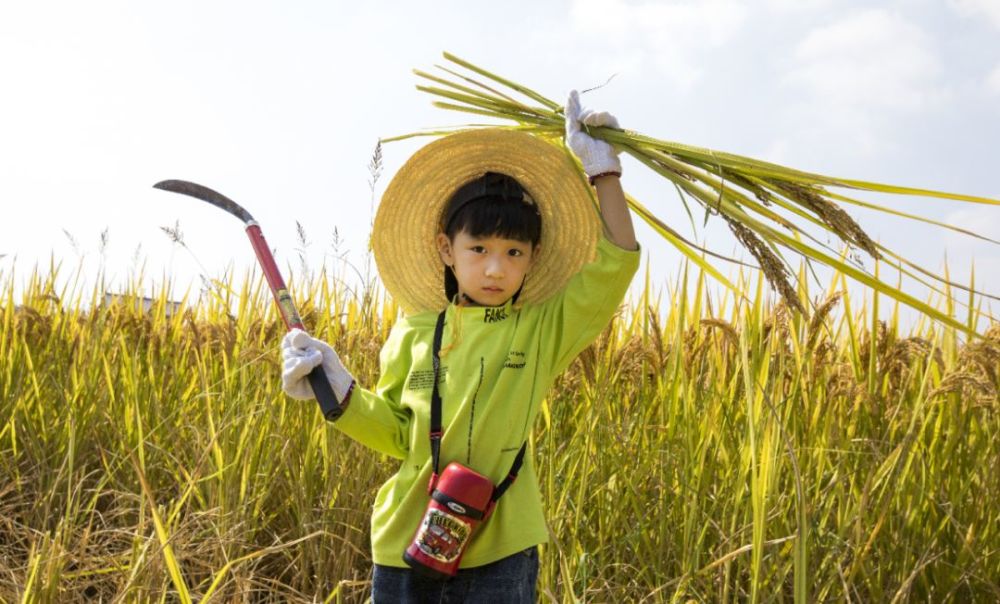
(442, 536)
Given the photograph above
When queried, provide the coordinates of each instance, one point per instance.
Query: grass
(707, 448)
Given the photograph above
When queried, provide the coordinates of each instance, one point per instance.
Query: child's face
(490, 269)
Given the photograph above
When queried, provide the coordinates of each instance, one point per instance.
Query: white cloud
(964, 251)
(979, 219)
(978, 8)
(786, 6)
(871, 59)
(778, 152)
(665, 36)
(993, 81)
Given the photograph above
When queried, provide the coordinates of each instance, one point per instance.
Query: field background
(716, 450)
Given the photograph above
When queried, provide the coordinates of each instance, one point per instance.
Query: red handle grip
(317, 379)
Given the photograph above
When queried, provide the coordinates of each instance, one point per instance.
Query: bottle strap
(436, 432)
(515, 467)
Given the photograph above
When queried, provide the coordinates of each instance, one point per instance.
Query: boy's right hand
(301, 352)
(597, 156)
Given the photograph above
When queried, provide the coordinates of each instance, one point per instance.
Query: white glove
(301, 353)
(596, 155)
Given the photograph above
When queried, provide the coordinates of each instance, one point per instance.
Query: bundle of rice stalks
(768, 207)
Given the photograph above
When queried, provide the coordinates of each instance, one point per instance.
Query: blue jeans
(511, 579)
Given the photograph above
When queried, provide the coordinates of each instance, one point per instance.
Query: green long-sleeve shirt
(493, 379)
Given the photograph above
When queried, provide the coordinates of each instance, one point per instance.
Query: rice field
(704, 449)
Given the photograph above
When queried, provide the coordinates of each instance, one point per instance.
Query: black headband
(491, 184)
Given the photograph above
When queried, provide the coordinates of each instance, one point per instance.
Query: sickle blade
(207, 195)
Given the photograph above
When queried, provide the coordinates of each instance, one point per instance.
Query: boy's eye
(515, 252)
(478, 248)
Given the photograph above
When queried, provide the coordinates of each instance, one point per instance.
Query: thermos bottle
(460, 502)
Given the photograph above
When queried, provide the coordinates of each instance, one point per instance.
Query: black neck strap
(436, 432)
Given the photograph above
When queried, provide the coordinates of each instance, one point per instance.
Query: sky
(279, 105)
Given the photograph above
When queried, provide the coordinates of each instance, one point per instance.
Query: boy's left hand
(597, 156)
(301, 352)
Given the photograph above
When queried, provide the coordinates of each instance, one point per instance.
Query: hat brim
(408, 217)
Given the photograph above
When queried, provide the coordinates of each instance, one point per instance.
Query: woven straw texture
(407, 221)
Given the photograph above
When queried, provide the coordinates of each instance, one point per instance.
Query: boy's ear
(444, 249)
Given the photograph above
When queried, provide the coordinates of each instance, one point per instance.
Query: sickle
(317, 378)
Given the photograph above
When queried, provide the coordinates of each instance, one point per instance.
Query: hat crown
(490, 184)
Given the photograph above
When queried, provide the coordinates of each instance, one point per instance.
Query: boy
(508, 222)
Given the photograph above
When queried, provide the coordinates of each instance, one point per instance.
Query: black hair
(497, 217)
(493, 205)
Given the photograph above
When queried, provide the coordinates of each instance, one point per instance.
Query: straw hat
(408, 218)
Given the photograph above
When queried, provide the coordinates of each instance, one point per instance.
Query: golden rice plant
(770, 209)
(707, 448)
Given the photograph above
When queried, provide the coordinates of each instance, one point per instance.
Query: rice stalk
(855, 457)
(724, 184)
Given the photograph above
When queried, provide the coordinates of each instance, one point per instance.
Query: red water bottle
(460, 502)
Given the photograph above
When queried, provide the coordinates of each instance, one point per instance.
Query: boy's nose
(494, 269)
